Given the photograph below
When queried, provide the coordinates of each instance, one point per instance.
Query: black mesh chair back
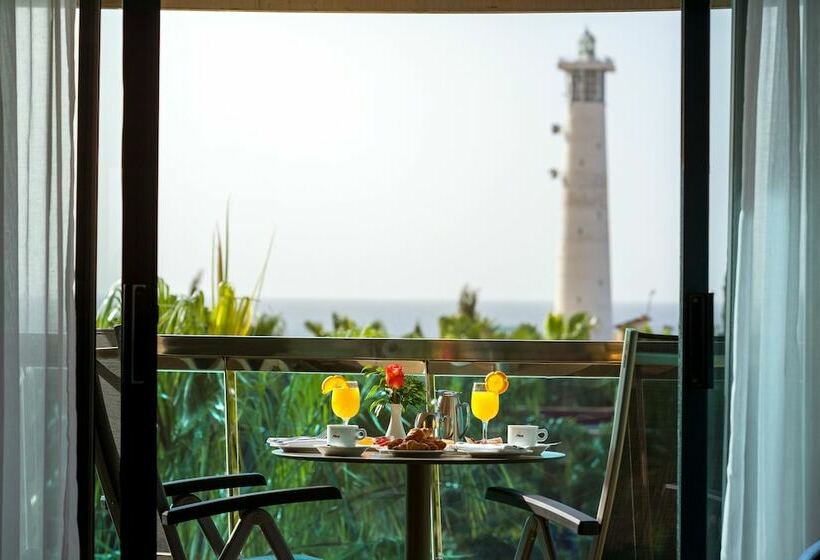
(185, 504)
(635, 517)
(108, 417)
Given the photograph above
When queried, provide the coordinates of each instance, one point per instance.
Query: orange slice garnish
(333, 382)
(497, 382)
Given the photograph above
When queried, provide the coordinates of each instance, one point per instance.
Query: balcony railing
(420, 356)
(434, 359)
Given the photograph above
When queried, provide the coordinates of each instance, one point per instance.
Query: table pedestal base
(418, 521)
(419, 491)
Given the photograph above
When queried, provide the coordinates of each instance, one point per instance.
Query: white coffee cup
(344, 435)
(526, 436)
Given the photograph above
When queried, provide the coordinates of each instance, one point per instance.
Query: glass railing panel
(369, 521)
(106, 540)
(578, 413)
(191, 438)
(281, 396)
(718, 445)
(643, 522)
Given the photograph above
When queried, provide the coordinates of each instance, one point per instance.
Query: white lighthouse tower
(583, 282)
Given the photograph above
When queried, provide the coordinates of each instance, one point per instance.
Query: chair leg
(239, 535)
(206, 524)
(237, 540)
(546, 538)
(527, 541)
(271, 532)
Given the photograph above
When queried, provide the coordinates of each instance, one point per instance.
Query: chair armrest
(811, 553)
(244, 502)
(551, 510)
(219, 482)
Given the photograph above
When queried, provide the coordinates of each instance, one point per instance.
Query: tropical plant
(525, 331)
(189, 314)
(665, 329)
(578, 326)
(109, 313)
(268, 325)
(467, 322)
(343, 326)
(416, 332)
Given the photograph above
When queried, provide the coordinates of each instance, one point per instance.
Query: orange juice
(345, 401)
(484, 405)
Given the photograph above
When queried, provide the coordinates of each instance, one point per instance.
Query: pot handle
(425, 420)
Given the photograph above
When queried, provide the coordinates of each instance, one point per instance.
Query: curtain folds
(772, 503)
(37, 406)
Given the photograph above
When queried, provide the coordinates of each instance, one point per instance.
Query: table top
(373, 457)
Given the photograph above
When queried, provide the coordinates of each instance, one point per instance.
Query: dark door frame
(141, 20)
(696, 321)
(85, 290)
(140, 137)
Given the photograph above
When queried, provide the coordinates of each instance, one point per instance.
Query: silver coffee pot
(450, 418)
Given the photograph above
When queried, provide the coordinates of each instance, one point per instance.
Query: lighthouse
(583, 279)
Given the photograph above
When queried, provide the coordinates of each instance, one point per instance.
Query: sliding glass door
(697, 489)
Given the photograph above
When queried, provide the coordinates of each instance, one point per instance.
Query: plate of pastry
(420, 442)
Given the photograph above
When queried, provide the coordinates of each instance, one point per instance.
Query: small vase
(395, 429)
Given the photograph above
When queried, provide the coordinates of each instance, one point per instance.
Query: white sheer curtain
(772, 505)
(38, 456)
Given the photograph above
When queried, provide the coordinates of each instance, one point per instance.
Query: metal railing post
(438, 540)
(232, 450)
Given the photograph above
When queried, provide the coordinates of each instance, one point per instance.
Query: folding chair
(178, 502)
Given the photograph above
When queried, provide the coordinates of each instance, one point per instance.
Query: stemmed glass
(484, 405)
(346, 401)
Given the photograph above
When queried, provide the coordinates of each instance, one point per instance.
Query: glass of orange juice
(346, 401)
(484, 405)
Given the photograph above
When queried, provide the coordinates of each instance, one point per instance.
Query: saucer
(541, 447)
(292, 448)
(332, 451)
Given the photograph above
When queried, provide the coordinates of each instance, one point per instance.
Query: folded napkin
(300, 441)
(490, 448)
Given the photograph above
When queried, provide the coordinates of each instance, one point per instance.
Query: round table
(418, 525)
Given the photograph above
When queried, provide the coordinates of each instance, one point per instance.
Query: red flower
(394, 376)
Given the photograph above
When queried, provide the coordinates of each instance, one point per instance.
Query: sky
(403, 156)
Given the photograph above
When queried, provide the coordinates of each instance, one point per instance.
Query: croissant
(418, 439)
(418, 434)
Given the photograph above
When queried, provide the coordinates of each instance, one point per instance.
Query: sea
(400, 316)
